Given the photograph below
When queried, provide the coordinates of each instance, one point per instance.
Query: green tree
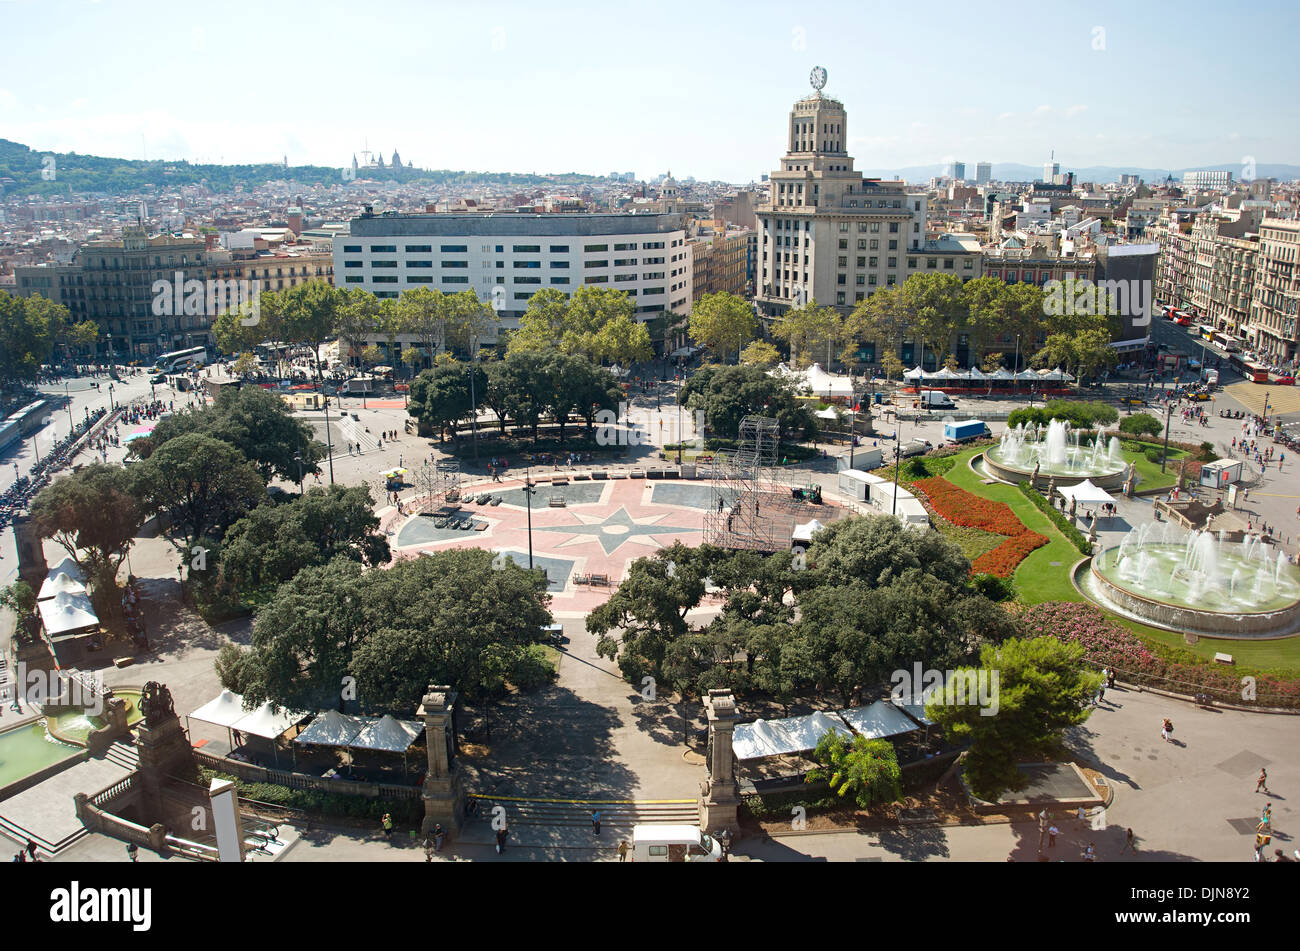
(762, 354)
(92, 514)
(813, 333)
(205, 484)
(723, 322)
(308, 315)
(727, 394)
(272, 543)
(1041, 687)
(253, 420)
(1141, 424)
(859, 768)
(647, 613)
(358, 319)
(880, 318)
(934, 305)
(440, 397)
(29, 327)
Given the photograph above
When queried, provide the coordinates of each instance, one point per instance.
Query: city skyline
(537, 111)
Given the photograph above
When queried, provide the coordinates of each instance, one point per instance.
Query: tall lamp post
(473, 399)
(1169, 412)
(297, 457)
(329, 443)
(898, 464)
(528, 500)
(1015, 367)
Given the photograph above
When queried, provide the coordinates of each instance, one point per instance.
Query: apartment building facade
(1275, 304)
(719, 262)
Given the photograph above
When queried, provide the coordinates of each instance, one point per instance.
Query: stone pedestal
(719, 801)
(442, 793)
(32, 567)
(164, 748)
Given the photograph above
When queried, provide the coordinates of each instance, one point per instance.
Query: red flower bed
(1110, 644)
(1004, 559)
(972, 511)
(969, 510)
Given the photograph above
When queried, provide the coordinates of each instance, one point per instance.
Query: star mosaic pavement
(612, 531)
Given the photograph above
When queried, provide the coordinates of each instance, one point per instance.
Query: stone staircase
(123, 754)
(565, 823)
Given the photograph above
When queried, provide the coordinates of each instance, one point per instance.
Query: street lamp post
(473, 399)
(898, 464)
(297, 457)
(528, 500)
(1015, 368)
(681, 436)
(1169, 412)
(329, 443)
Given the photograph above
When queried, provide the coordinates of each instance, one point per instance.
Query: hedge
(1066, 527)
(409, 811)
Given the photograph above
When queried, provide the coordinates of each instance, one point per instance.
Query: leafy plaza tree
(814, 333)
(727, 394)
(29, 329)
(761, 354)
(92, 514)
(860, 769)
(272, 543)
(1043, 686)
(723, 322)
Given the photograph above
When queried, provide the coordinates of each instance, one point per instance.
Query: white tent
(70, 568)
(878, 720)
(66, 612)
(1001, 373)
(975, 373)
(1052, 376)
(780, 737)
(388, 734)
(943, 373)
(827, 413)
(805, 532)
(1085, 491)
(266, 722)
(226, 710)
(1028, 375)
(914, 374)
(331, 729)
(60, 582)
(827, 384)
(915, 708)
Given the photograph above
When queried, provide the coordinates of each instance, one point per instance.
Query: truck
(914, 447)
(964, 430)
(1211, 377)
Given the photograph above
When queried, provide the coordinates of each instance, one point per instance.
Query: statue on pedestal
(1051, 487)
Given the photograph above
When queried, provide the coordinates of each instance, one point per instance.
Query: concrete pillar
(719, 801)
(32, 567)
(442, 793)
(223, 800)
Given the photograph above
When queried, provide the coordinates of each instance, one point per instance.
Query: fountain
(1196, 582)
(1059, 452)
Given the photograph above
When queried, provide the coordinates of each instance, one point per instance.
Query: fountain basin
(1057, 453)
(1014, 474)
(1166, 594)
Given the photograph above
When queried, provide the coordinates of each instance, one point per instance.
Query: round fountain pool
(1196, 583)
(1056, 452)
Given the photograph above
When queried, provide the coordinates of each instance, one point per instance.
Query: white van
(936, 399)
(655, 842)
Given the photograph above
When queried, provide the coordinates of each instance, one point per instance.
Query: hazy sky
(700, 88)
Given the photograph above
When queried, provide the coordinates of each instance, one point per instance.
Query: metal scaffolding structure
(439, 482)
(752, 503)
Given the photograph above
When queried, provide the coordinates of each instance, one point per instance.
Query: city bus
(177, 359)
(1251, 371)
(1225, 342)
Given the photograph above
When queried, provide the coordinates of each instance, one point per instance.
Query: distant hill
(113, 176)
(1014, 172)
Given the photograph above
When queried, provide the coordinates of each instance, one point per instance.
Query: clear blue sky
(700, 88)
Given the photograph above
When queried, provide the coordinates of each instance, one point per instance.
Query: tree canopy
(727, 394)
(723, 322)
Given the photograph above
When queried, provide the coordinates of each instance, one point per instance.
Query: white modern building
(1210, 180)
(507, 258)
(983, 173)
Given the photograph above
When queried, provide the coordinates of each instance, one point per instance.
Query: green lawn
(1151, 476)
(1038, 580)
(972, 541)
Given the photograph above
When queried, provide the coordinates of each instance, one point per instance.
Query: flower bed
(972, 511)
(1110, 644)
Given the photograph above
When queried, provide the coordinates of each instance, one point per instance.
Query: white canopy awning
(827, 413)
(67, 612)
(943, 373)
(1027, 375)
(60, 582)
(821, 382)
(975, 373)
(1053, 376)
(878, 720)
(227, 709)
(1085, 491)
(915, 373)
(915, 707)
(387, 733)
(331, 729)
(1001, 373)
(779, 737)
(266, 722)
(805, 532)
(70, 568)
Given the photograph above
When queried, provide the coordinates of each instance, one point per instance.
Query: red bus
(1251, 371)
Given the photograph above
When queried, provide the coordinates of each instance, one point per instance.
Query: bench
(598, 581)
(557, 502)
(1220, 658)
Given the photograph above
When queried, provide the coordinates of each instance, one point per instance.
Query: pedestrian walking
(1166, 728)
(1052, 833)
(438, 834)
(1130, 842)
(622, 850)
(1261, 840)
(1265, 819)
(31, 849)
(501, 839)
(595, 821)
(1262, 782)
(428, 848)
(132, 851)
(387, 823)
(1090, 853)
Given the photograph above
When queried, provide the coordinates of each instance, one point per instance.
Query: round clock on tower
(817, 77)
